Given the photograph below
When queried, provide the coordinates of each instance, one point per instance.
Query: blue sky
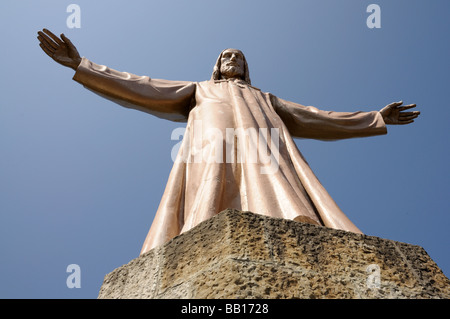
(81, 177)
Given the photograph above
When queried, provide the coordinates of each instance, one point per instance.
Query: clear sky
(81, 177)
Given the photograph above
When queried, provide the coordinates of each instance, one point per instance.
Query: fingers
(394, 113)
(407, 117)
(395, 104)
(45, 40)
(406, 107)
(54, 37)
(67, 41)
(406, 114)
(46, 50)
(49, 40)
(46, 46)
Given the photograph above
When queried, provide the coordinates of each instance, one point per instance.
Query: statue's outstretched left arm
(310, 122)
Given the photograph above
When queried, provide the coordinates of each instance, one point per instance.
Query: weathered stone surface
(245, 255)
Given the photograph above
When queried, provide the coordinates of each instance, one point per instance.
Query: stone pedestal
(244, 255)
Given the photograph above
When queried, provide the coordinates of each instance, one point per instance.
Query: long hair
(216, 75)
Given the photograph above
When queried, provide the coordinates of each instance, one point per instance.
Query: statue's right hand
(61, 50)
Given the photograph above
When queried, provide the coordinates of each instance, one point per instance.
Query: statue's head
(231, 64)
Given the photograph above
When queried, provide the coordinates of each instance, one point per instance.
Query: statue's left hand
(394, 113)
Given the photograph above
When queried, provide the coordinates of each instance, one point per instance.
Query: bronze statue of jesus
(212, 171)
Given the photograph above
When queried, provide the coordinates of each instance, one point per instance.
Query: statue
(206, 180)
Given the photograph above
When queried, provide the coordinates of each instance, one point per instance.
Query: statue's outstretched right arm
(171, 100)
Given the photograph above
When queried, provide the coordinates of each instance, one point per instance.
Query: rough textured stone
(244, 255)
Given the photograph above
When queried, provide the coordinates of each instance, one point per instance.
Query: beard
(232, 71)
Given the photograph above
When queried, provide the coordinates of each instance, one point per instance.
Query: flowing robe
(213, 170)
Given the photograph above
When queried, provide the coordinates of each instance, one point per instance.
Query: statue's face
(232, 64)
